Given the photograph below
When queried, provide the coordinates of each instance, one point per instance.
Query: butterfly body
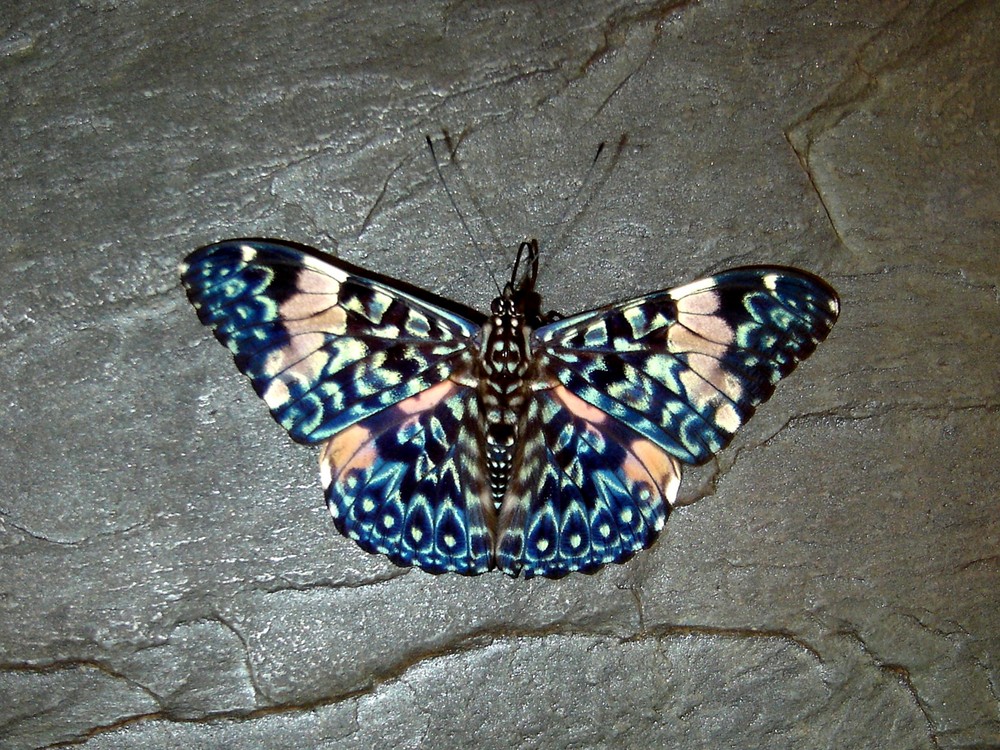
(506, 374)
(463, 443)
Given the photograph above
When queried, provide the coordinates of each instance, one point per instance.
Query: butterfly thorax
(505, 360)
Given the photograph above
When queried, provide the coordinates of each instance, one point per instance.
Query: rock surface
(168, 573)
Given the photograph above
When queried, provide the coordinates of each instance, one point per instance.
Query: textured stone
(168, 574)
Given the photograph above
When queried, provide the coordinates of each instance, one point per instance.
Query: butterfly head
(519, 298)
(514, 314)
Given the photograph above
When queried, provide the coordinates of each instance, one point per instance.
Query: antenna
(592, 181)
(585, 193)
(461, 216)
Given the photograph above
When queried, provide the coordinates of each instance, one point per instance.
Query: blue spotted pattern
(457, 442)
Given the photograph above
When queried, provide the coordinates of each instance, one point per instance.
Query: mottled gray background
(168, 572)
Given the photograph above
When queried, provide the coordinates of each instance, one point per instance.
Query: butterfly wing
(586, 490)
(379, 374)
(639, 388)
(408, 482)
(687, 366)
(323, 346)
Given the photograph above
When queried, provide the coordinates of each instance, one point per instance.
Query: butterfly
(520, 441)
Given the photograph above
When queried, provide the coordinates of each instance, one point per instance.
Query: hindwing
(408, 483)
(586, 490)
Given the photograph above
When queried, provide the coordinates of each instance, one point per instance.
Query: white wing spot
(247, 253)
(276, 394)
(727, 417)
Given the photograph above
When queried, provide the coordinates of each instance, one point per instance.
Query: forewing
(686, 367)
(323, 346)
(408, 482)
(586, 490)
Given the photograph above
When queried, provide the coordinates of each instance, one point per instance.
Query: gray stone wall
(168, 573)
